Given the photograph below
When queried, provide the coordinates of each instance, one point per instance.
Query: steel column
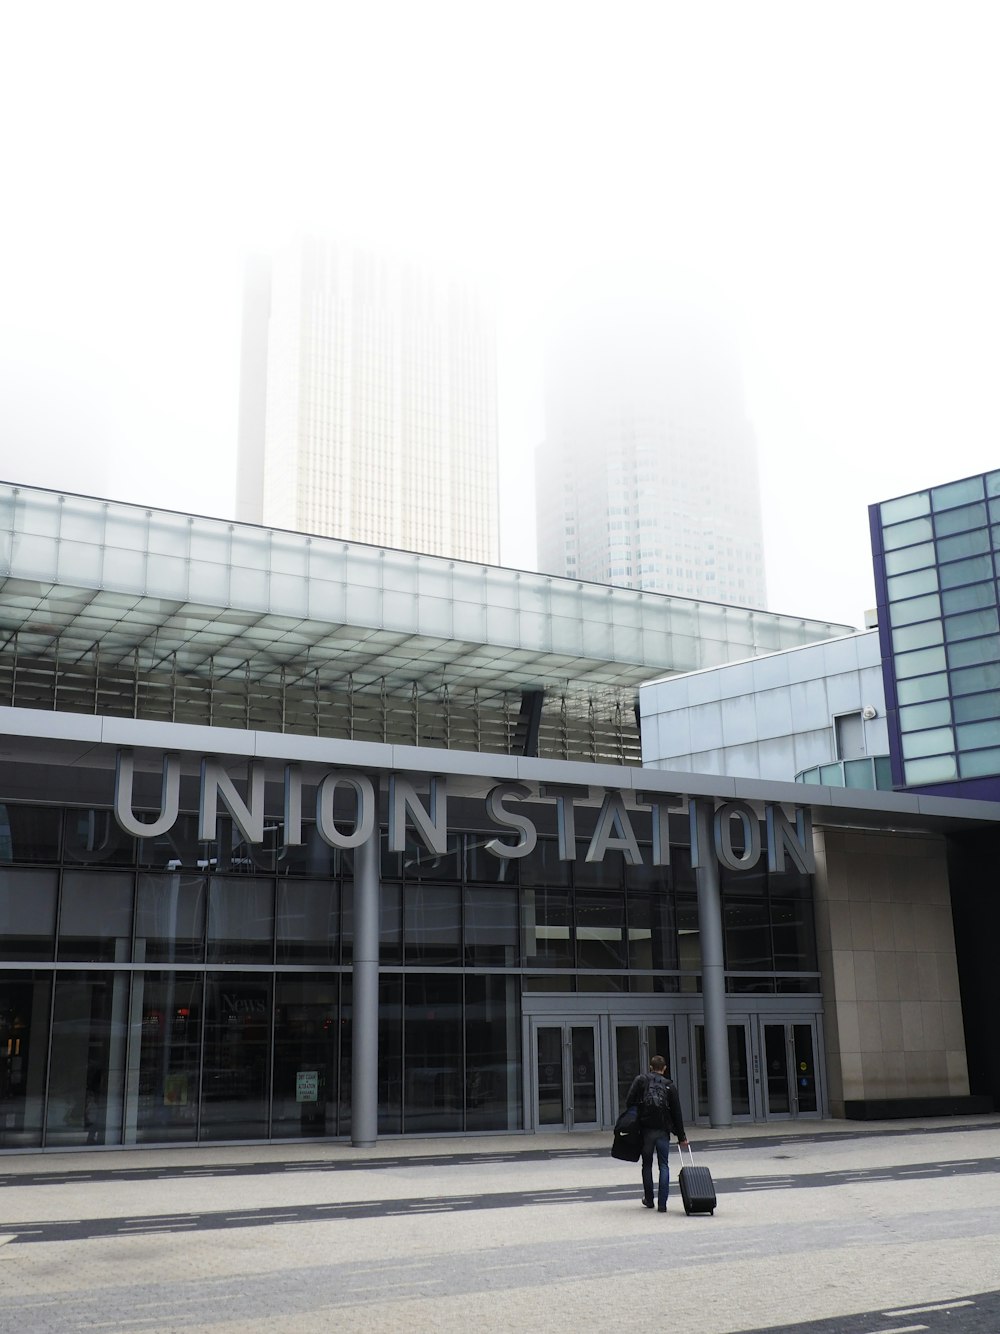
(364, 1046)
(713, 977)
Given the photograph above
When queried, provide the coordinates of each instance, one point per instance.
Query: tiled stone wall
(893, 1015)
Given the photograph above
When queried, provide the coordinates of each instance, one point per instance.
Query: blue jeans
(658, 1142)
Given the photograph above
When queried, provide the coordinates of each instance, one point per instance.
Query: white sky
(831, 170)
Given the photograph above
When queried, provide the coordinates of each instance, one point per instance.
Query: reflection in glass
(490, 927)
(24, 1031)
(433, 1073)
(308, 921)
(432, 924)
(28, 914)
(493, 1054)
(549, 1076)
(87, 1068)
(93, 837)
(546, 928)
(237, 1056)
(390, 1054)
(240, 920)
(95, 920)
(167, 1009)
(29, 833)
(306, 1055)
(170, 918)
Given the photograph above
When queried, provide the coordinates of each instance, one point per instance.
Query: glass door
(634, 1045)
(788, 1066)
(567, 1077)
(739, 1070)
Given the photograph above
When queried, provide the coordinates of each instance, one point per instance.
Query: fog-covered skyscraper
(368, 402)
(648, 474)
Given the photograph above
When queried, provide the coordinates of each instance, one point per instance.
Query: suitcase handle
(690, 1161)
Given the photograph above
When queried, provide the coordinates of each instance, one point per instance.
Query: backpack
(654, 1105)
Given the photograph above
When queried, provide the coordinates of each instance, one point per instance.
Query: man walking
(659, 1107)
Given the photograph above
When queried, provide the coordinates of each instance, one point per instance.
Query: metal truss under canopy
(115, 609)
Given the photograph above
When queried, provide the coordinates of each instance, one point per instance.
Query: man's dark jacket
(652, 1118)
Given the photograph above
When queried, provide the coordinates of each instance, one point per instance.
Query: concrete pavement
(816, 1220)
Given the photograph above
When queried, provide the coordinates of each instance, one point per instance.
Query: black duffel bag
(627, 1143)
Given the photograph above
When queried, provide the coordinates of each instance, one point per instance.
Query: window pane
(966, 571)
(545, 928)
(237, 1055)
(170, 918)
(905, 507)
(240, 920)
(957, 493)
(29, 833)
(973, 707)
(917, 636)
(24, 1038)
(492, 1053)
(169, 1006)
(973, 679)
(958, 520)
(963, 545)
(28, 914)
(936, 741)
(95, 921)
(924, 687)
(919, 663)
(972, 623)
(910, 558)
(308, 927)
(600, 929)
(915, 609)
(794, 935)
(905, 534)
(968, 598)
(307, 1025)
(87, 1067)
(432, 924)
(747, 934)
(859, 774)
(434, 1083)
(941, 769)
(925, 715)
(978, 763)
(972, 651)
(912, 585)
(491, 928)
(93, 837)
(973, 736)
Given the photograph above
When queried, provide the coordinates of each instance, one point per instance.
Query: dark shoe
(661, 1209)
(648, 1204)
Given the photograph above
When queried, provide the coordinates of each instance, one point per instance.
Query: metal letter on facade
(431, 824)
(498, 813)
(723, 830)
(614, 830)
(661, 804)
(216, 783)
(797, 842)
(364, 810)
(170, 796)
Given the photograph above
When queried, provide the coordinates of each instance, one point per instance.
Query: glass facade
(167, 990)
(937, 563)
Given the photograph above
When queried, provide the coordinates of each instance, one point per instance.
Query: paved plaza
(886, 1227)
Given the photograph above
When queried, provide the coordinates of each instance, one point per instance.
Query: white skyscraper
(368, 402)
(648, 474)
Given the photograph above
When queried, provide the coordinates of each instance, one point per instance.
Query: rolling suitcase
(697, 1187)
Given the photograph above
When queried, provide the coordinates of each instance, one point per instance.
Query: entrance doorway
(568, 1075)
(634, 1044)
(772, 1068)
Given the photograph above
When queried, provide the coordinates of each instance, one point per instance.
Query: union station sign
(729, 830)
